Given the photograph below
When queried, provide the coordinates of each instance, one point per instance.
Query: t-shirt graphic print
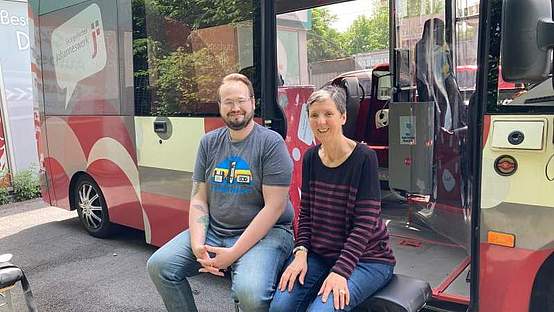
(232, 175)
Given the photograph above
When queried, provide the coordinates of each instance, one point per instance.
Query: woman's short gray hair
(329, 92)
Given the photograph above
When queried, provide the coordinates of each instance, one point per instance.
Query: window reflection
(183, 49)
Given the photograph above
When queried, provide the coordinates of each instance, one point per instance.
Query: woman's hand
(297, 268)
(339, 286)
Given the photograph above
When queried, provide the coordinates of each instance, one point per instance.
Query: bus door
(428, 147)
(516, 242)
(329, 42)
(428, 115)
(180, 56)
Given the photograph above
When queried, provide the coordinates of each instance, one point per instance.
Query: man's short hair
(329, 92)
(235, 77)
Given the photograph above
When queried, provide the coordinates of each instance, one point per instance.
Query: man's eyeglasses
(232, 102)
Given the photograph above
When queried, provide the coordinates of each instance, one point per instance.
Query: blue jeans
(366, 279)
(254, 275)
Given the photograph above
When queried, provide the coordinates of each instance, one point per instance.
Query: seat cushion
(402, 294)
(9, 275)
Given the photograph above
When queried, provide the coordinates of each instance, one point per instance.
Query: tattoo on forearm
(201, 208)
(195, 189)
(204, 221)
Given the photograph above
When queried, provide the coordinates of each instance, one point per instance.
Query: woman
(342, 253)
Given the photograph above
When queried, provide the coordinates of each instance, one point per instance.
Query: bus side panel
(165, 163)
(516, 199)
(299, 134)
(121, 193)
(102, 147)
(84, 126)
(167, 216)
(507, 276)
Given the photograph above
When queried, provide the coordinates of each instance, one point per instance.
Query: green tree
(324, 42)
(205, 13)
(424, 7)
(368, 34)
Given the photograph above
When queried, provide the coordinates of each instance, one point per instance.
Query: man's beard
(238, 125)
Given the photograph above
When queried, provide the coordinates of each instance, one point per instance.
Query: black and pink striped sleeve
(304, 233)
(366, 214)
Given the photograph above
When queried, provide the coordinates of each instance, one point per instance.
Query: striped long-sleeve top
(340, 211)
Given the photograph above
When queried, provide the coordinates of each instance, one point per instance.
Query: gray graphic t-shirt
(234, 173)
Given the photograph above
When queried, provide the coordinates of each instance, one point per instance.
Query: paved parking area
(72, 271)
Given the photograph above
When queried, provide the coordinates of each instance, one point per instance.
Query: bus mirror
(526, 42)
(545, 33)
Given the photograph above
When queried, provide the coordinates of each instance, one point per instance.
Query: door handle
(160, 126)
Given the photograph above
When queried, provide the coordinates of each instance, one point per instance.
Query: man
(239, 216)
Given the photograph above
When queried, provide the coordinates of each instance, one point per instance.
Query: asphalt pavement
(71, 271)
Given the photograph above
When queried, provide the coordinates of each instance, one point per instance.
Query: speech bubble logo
(79, 49)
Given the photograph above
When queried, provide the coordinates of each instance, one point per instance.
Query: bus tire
(91, 207)
(542, 299)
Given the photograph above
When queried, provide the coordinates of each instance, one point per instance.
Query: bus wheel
(542, 299)
(91, 207)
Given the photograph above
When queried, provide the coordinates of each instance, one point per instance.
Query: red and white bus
(127, 88)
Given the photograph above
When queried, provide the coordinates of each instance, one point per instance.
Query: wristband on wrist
(299, 248)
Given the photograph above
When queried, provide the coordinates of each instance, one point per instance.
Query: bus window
(434, 69)
(72, 85)
(293, 30)
(466, 76)
(467, 30)
(318, 44)
(181, 54)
